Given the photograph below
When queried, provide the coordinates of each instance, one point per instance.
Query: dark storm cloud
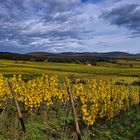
(127, 16)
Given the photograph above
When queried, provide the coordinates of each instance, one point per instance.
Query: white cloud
(62, 25)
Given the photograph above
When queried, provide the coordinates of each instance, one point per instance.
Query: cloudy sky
(70, 25)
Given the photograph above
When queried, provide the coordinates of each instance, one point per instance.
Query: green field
(106, 71)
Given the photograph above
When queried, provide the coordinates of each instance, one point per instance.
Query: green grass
(125, 126)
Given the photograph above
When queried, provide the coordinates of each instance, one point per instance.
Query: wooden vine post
(74, 114)
(18, 108)
(129, 95)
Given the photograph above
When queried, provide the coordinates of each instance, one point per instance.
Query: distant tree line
(52, 58)
(61, 58)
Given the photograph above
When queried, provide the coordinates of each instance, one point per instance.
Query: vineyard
(88, 102)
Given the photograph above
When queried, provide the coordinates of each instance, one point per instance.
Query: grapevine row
(97, 99)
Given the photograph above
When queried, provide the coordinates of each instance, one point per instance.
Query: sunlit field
(106, 100)
(103, 71)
